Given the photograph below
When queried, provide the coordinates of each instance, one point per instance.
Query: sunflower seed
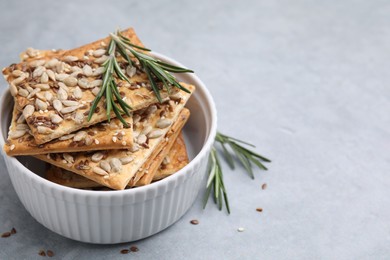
(56, 119)
(130, 71)
(17, 73)
(42, 86)
(22, 92)
(70, 103)
(66, 137)
(70, 58)
(101, 60)
(41, 96)
(44, 78)
(61, 76)
(41, 105)
(63, 86)
(116, 165)
(80, 136)
(84, 83)
(136, 118)
(141, 139)
(155, 133)
(69, 158)
(146, 130)
(28, 111)
(77, 93)
(105, 166)
(99, 171)
(20, 79)
(70, 81)
(95, 91)
(21, 119)
(79, 117)
(22, 127)
(151, 110)
(99, 71)
(126, 160)
(52, 63)
(33, 92)
(163, 123)
(32, 52)
(60, 67)
(62, 94)
(57, 104)
(13, 89)
(99, 53)
(76, 74)
(76, 69)
(96, 157)
(51, 75)
(87, 70)
(134, 148)
(36, 63)
(16, 134)
(48, 96)
(28, 88)
(96, 83)
(67, 110)
(44, 130)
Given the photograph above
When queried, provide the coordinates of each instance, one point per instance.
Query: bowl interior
(196, 131)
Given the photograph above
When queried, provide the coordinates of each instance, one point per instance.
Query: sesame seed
(264, 186)
(97, 141)
(240, 229)
(114, 139)
(259, 209)
(12, 147)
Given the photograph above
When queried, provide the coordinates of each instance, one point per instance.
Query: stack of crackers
(53, 92)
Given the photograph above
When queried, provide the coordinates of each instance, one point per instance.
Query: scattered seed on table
(41, 253)
(240, 229)
(13, 231)
(6, 234)
(264, 186)
(194, 222)
(125, 251)
(259, 209)
(134, 249)
(50, 253)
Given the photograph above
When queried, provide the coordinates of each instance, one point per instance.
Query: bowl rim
(144, 189)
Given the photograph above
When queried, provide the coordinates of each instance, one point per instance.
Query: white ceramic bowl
(108, 217)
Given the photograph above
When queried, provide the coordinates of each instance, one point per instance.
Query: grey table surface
(307, 81)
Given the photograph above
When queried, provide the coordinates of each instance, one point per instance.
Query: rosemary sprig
(110, 89)
(156, 70)
(215, 181)
(245, 156)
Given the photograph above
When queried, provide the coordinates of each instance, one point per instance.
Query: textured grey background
(307, 81)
